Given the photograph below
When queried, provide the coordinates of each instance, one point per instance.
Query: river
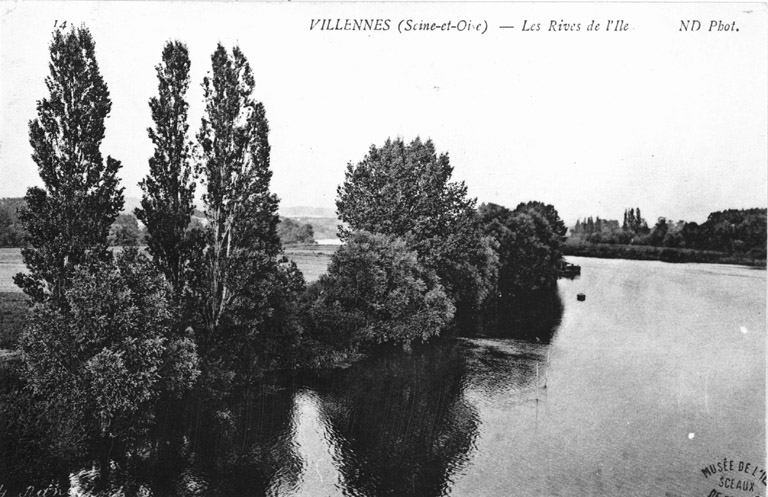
(658, 374)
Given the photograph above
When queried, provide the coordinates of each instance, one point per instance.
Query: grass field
(312, 260)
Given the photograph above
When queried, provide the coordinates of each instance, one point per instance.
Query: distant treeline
(126, 231)
(665, 254)
(740, 233)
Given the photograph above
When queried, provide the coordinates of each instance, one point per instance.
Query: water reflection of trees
(518, 368)
(247, 447)
(534, 317)
(400, 424)
(241, 446)
(244, 446)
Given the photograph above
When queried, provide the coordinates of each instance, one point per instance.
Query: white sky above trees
(672, 122)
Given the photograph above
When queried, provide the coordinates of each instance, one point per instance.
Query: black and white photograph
(414, 248)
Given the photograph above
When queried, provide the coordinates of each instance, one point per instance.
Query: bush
(376, 291)
(101, 360)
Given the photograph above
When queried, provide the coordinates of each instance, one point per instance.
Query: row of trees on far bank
(120, 340)
(733, 231)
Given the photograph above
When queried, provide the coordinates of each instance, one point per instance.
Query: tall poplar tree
(68, 219)
(168, 200)
(240, 263)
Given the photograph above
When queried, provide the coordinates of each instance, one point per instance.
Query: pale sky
(593, 122)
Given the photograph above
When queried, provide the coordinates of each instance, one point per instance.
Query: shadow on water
(240, 447)
(399, 423)
(534, 318)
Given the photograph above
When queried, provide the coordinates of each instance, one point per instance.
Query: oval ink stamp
(732, 478)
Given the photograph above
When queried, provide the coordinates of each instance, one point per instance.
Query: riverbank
(664, 254)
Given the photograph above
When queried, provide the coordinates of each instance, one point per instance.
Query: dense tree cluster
(377, 291)
(405, 191)
(400, 200)
(734, 231)
(528, 242)
(101, 360)
(113, 334)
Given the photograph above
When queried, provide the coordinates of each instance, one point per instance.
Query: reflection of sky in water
(654, 354)
(319, 475)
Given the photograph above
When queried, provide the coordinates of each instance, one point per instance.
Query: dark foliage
(68, 220)
(401, 423)
(736, 232)
(528, 244)
(168, 201)
(98, 363)
(376, 291)
(238, 282)
(405, 190)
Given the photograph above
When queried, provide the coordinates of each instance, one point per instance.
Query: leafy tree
(528, 248)
(239, 267)
(168, 200)
(68, 220)
(659, 232)
(405, 190)
(376, 291)
(553, 218)
(100, 362)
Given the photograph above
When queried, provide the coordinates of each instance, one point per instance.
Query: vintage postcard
(383, 248)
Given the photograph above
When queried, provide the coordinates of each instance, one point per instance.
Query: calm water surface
(659, 373)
